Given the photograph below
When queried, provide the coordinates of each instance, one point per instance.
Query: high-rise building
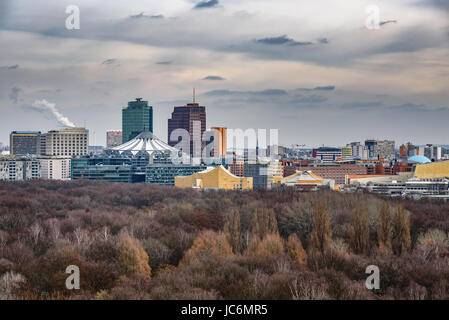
(430, 151)
(24, 142)
(113, 138)
(64, 142)
(384, 149)
(136, 118)
(192, 119)
(220, 136)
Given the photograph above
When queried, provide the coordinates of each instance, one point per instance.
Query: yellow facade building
(434, 170)
(215, 178)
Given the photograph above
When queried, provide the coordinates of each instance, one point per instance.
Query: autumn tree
(321, 236)
(359, 231)
(208, 242)
(232, 230)
(295, 249)
(263, 223)
(384, 228)
(271, 244)
(401, 232)
(132, 257)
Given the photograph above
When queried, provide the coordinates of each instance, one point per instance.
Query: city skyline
(319, 77)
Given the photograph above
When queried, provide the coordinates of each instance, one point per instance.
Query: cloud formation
(282, 40)
(213, 78)
(206, 4)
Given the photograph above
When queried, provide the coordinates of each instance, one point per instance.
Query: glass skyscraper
(136, 118)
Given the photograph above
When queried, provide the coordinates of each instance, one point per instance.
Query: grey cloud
(362, 105)
(311, 99)
(143, 15)
(109, 62)
(164, 62)
(323, 41)
(269, 92)
(320, 88)
(12, 67)
(14, 94)
(282, 40)
(206, 4)
(382, 23)
(213, 78)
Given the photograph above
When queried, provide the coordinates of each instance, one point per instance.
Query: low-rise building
(55, 168)
(214, 178)
(19, 168)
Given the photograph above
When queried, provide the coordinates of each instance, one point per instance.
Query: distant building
(164, 174)
(19, 168)
(113, 168)
(136, 118)
(434, 153)
(55, 168)
(336, 172)
(384, 149)
(359, 151)
(346, 152)
(24, 142)
(220, 136)
(380, 148)
(113, 138)
(327, 155)
(304, 181)
(191, 118)
(237, 167)
(259, 173)
(435, 170)
(214, 178)
(64, 142)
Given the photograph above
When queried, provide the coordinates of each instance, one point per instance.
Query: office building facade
(65, 142)
(136, 118)
(18, 169)
(24, 142)
(192, 119)
(55, 168)
(114, 138)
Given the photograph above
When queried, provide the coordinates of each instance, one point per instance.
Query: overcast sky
(311, 69)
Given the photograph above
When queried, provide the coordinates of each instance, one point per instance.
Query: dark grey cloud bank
(282, 40)
(206, 4)
(213, 78)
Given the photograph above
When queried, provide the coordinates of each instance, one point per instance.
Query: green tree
(232, 230)
(359, 231)
(321, 236)
(384, 228)
(401, 232)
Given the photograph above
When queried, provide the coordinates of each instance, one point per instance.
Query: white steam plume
(44, 105)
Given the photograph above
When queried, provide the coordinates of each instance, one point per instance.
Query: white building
(55, 168)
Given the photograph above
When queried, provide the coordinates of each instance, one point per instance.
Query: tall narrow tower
(136, 118)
